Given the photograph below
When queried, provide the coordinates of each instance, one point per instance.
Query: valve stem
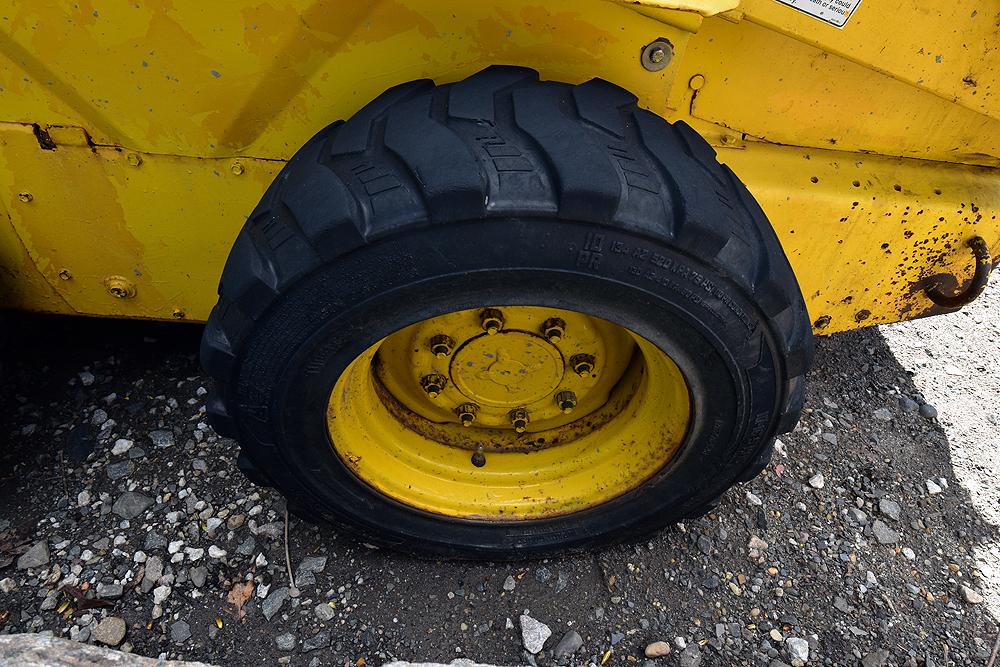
(479, 459)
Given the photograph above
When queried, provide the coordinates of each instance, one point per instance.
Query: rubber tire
(503, 189)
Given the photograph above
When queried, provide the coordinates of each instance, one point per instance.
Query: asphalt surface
(873, 535)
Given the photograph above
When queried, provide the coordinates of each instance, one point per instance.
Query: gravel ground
(871, 539)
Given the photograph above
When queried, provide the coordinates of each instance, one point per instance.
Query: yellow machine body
(136, 137)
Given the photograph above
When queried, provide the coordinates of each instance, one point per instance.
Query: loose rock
(180, 632)
(273, 602)
(690, 656)
(970, 596)
(36, 556)
(130, 505)
(568, 645)
(883, 533)
(110, 631)
(316, 642)
(876, 658)
(798, 650)
(534, 633)
(889, 508)
(657, 649)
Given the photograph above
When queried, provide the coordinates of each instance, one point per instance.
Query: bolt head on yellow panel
(119, 287)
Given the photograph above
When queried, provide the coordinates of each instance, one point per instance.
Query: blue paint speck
(215, 73)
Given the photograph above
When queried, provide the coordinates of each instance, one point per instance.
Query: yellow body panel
(122, 121)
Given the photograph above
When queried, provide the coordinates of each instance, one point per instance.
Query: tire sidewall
(699, 318)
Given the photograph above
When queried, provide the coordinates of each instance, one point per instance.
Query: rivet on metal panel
(65, 274)
(697, 82)
(237, 167)
(119, 287)
(179, 314)
(134, 159)
(25, 197)
(656, 55)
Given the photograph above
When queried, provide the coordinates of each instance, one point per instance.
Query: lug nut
(433, 384)
(467, 414)
(492, 320)
(582, 364)
(479, 459)
(519, 419)
(553, 329)
(566, 401)
(442, 345)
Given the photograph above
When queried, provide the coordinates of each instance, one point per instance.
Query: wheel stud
(519, 419)
(492, 320)
(554, 329)
(566, 401)
(479, 459)
(433, 384)
(582, 364)
(442, 345)
(467, 414)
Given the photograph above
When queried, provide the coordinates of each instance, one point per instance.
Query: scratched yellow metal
(84, 214)
(187, 86)
(704, 7)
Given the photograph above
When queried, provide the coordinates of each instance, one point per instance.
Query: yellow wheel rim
(509, 413)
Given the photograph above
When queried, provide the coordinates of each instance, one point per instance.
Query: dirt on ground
(872, 538)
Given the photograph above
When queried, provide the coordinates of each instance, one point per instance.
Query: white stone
(798, 649)
(160, 594)
(121, 446)
(534, 633)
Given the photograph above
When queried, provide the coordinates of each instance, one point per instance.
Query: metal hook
(984, 264)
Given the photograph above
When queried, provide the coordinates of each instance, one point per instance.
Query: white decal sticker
(834, 12)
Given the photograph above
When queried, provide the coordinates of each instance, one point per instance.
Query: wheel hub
(510, 369)
(508, 411)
